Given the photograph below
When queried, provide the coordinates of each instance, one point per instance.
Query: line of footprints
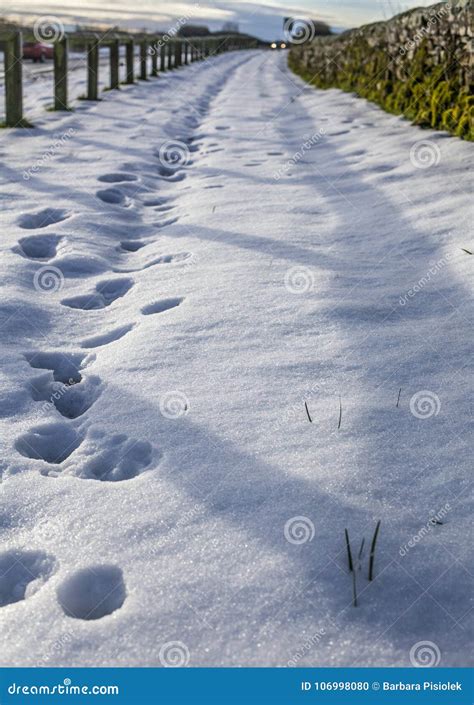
(66, 389)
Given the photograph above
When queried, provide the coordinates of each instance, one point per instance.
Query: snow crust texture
(235, 321)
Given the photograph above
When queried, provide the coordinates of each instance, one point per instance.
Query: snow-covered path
(301, 255)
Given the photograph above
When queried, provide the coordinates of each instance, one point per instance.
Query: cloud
(264, 19)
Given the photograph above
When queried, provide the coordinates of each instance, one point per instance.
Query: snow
(162, 329)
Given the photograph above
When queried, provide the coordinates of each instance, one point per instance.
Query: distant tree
(230, 27)
(193, 30)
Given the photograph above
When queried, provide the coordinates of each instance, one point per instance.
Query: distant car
(37, 51)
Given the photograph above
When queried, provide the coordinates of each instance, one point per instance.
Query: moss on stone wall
(429, 87)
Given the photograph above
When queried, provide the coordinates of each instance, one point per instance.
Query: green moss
(428, 96)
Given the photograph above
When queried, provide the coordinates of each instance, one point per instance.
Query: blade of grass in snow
(372, 551)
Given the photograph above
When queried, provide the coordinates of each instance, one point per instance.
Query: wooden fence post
(130, 62)
(162, 56)
(13, 81)
(177, 54)
(154, 58)
(60, 74)
(93, 70)
(114, 64)
(170, 55)
(143, 60)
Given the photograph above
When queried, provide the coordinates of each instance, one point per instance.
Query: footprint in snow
(53, 442)
(117, 177)
(43, 218)
(113, 196)
(71, 400)
(161, 259)
(65, 367)
(40, 247)
(107, 338)
(170, 174)
(131, 245)
(165, 223)
(152, 202)
(161, 306)
(105, 294)
(93, 592)
(112, 458)
(22, 573)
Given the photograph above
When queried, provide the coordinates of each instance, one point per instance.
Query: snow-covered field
(163, 326)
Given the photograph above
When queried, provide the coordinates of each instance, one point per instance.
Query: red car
(37, 51)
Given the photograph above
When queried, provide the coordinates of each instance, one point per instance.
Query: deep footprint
(132, 245)
(41, 219)
(113, 459)
(64, 366)
(161, 306)
(70, 400)
(105, 294)
(52, 442)
(117, 177)
(22, 573)
(92, 593)
(112, 196)
(42, 247)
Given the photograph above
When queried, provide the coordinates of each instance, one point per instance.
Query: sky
(263, 19)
